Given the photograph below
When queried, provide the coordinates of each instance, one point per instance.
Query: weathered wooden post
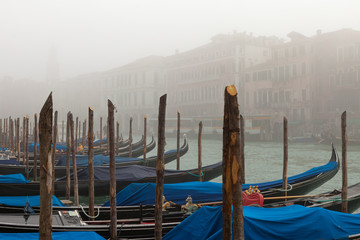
(91, 161)
(178, 142)
(27, 146)
(1, 134)
(130, 138)
(54, 146)
(68, 183)
(45, 128)
(199, 152)
(75, 178)
(242, 149)
(117, 138)
(160, 167)
(23, 143)
(62, 131)
(84, 136)
(285, 156)
(107, 136)
(232, 189)
(145, 162)
(100, 132)
(9, 134)
(78, 142)
(111, 136)
(18, 139)
(344, 203)
(76, 133)
(35, 147)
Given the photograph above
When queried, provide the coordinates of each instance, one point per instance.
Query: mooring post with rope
(285, 156)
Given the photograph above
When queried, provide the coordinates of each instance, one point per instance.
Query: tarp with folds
(21, 201)
(55, 236)
(129, 173)
(292, 222)
(13, 178)
(144, 193)
(59, 147)
(100, 159)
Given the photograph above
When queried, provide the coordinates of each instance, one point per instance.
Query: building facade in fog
(310, 80)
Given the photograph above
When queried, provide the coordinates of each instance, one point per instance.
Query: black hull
(304, 186)
(60, 171)
(102, 187)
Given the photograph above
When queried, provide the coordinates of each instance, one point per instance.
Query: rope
(98, 208)
(337, 199)
(195, 175)
(26, 171)
(283, 190)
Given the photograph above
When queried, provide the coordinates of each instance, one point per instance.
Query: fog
(88, 36)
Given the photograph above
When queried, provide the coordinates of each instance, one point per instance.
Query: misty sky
(97, 35)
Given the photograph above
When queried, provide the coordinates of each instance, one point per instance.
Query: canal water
(264, 160)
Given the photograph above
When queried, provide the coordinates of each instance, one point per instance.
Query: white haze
(99, 35)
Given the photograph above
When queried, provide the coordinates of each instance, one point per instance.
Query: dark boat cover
(55, 236)
(292, 222)
(60, 147)
(130, 173)
(21, 201)
(13, 178)
(137, 193)
(100, 159)
(9, 162)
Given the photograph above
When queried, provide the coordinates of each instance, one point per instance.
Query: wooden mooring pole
(344, 203)
(145, 126)
(91, 161)
(160, 167)
(23, 142)
(111, 136)
(45, 128)
(55, 129)
(62, 131)
(232, 189)
(199, 152)
(27, 147)
(73, 152)
(35, 147)
(68, 182)
(117, 138)
(130, 138)
(242, 149)
(100, 132)
(84, 136)
(18, 139)
(178, 142)
(285, 165)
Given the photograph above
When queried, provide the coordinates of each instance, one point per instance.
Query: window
(303, 69)
(276, 74)
(287, 73)
(304, 95)
(287, 96)
(294, 70)
(294, 52)
(281, 73)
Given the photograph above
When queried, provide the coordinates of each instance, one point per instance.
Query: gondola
(65, 221)
(124, 175)
(329, 200)
(60, 171)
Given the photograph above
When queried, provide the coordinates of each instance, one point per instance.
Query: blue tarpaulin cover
(144, 193)
(292, 222)
(60, 147)
(55, 236)
(34, 201)
(13, 178)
